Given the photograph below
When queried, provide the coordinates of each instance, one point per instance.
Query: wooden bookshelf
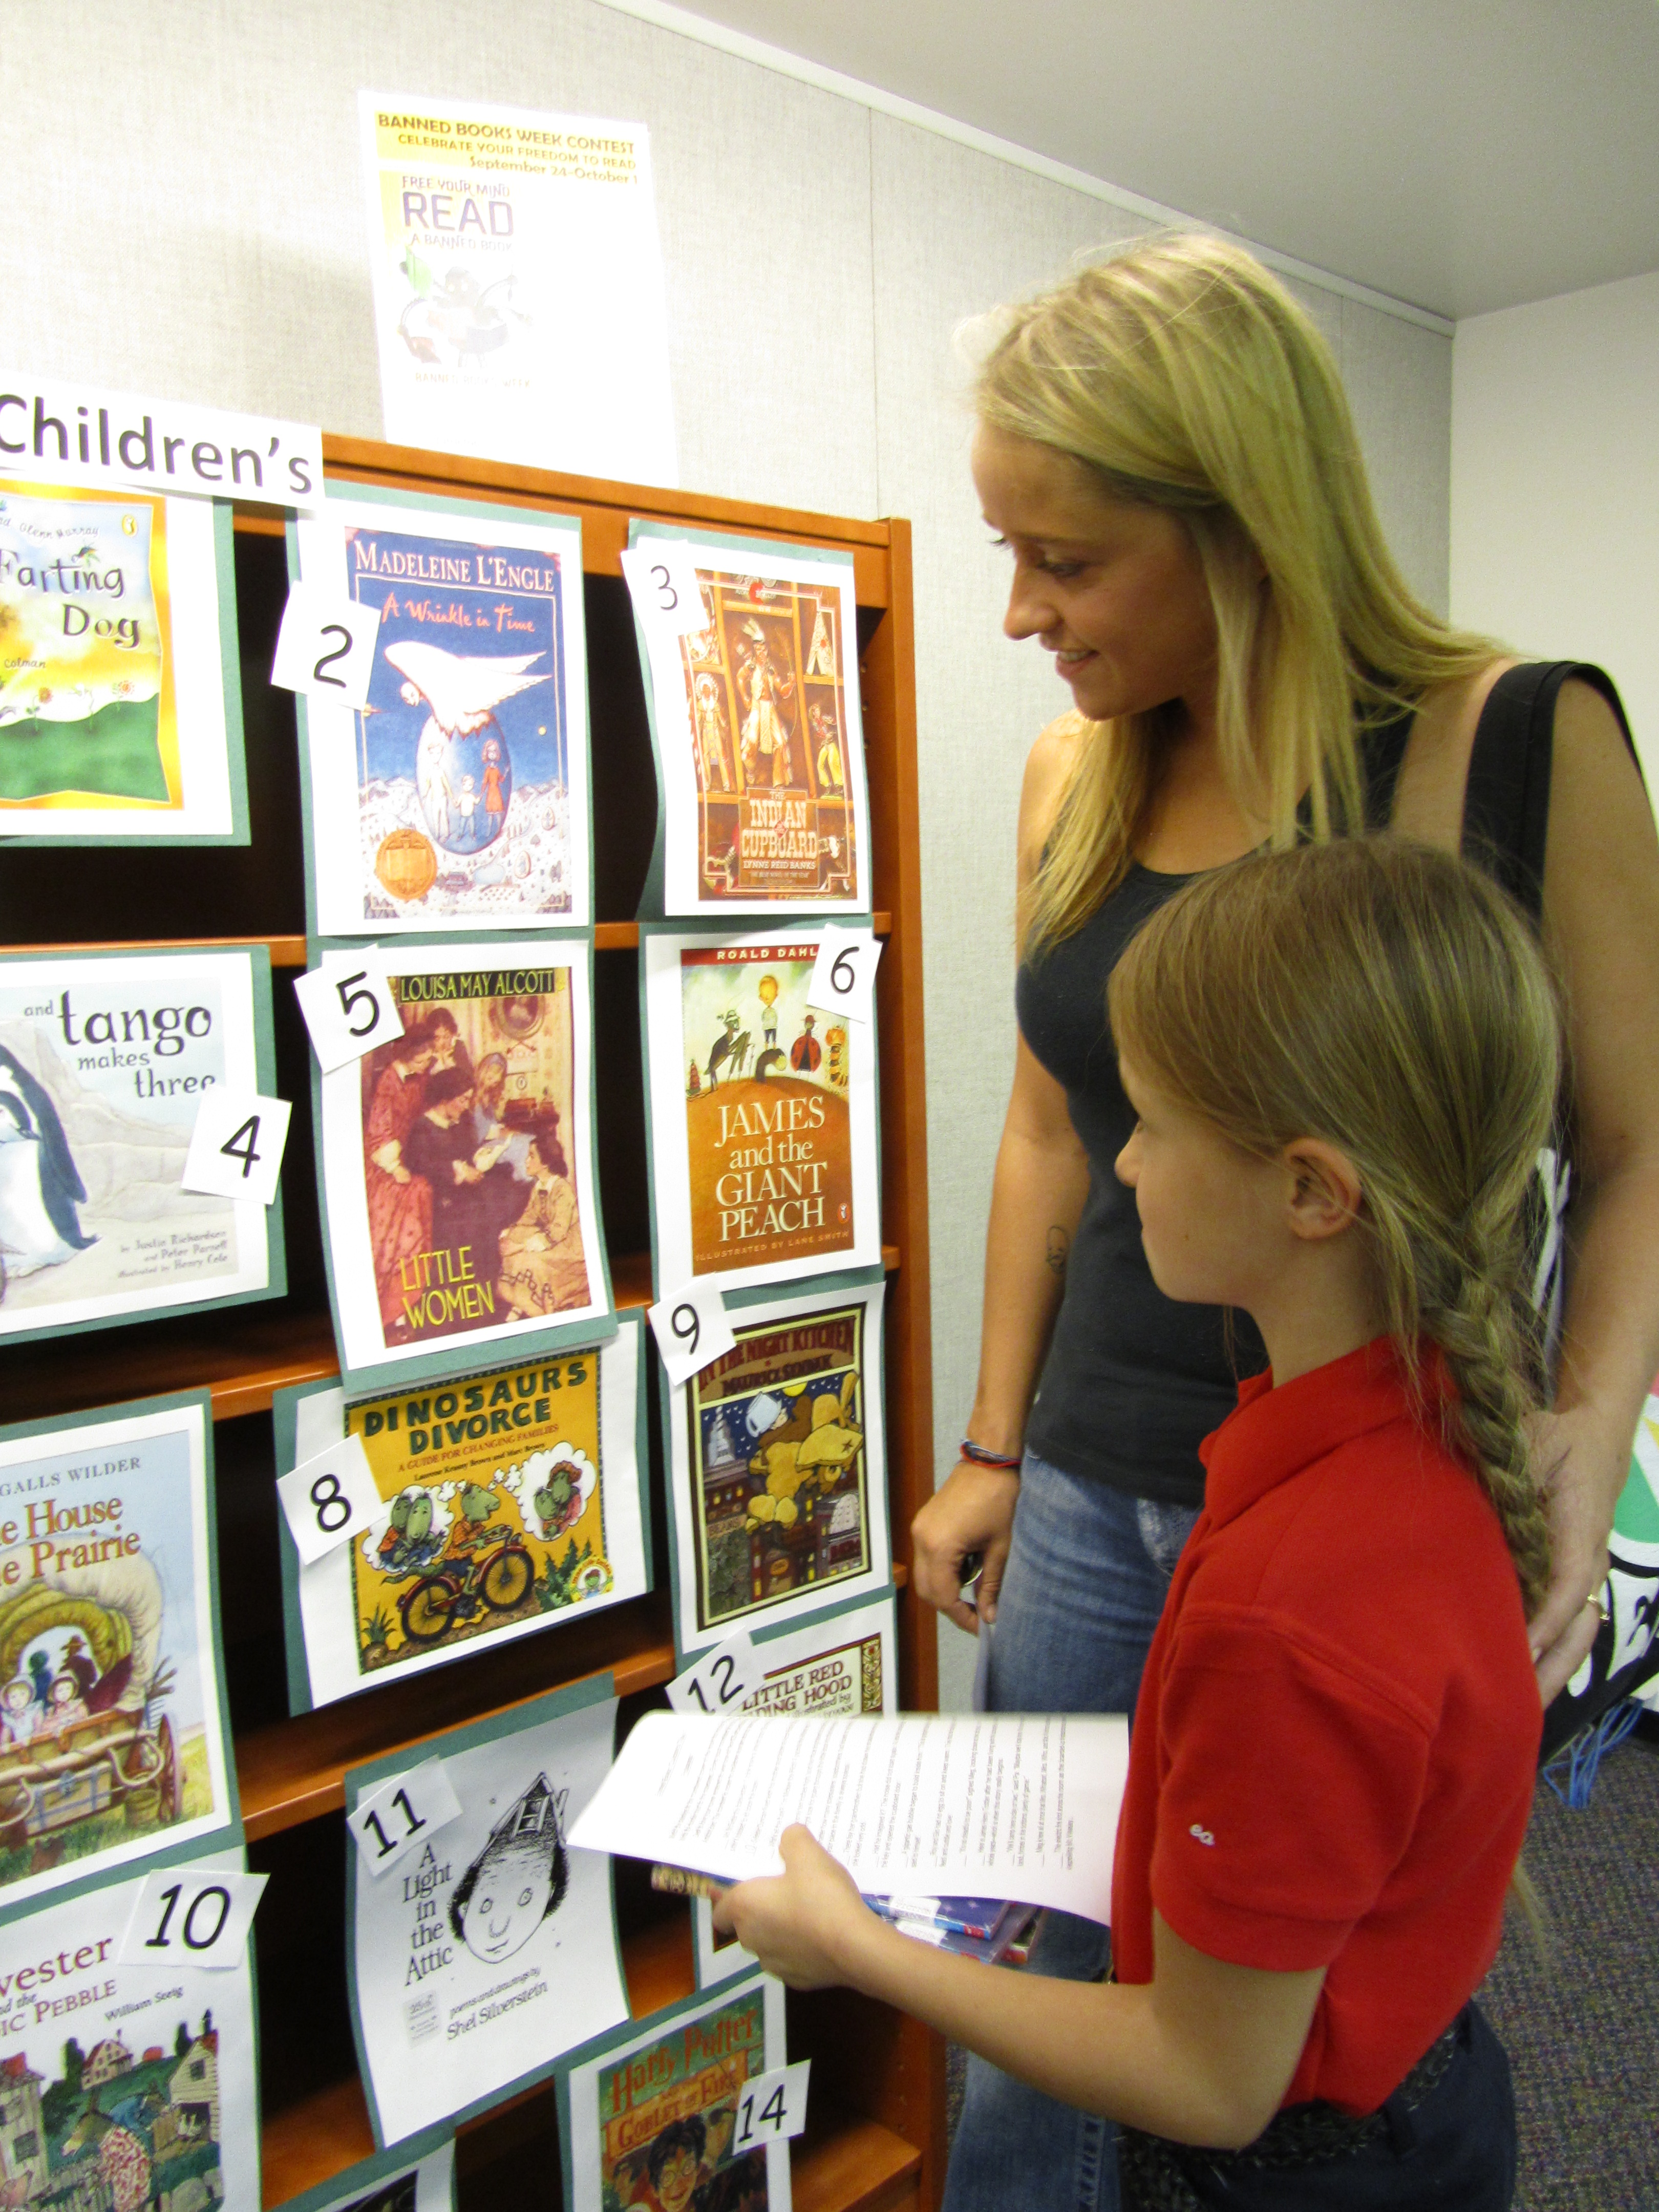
(876, 2139)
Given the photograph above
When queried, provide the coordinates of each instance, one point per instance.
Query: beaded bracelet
(981, 1457)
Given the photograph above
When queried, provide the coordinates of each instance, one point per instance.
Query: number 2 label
(325, 647)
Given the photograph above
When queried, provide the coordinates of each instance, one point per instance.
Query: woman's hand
(803, 1925)
(971, 1511)
(1578, 1473)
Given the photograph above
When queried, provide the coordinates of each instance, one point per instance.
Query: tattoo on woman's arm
(1060, 1243)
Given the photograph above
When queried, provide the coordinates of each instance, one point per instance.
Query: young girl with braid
(1343, 1059)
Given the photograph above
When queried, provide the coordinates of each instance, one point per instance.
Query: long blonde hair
(1186, 377)
(1384, 997)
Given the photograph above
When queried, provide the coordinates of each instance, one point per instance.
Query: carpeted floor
(1582, 2023)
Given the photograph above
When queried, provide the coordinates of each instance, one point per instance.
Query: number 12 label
(191, 1916)
(328, 1499)
(772, 2107)
(407, 1811)
(722, 1678)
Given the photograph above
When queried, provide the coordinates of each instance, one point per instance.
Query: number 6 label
(236, 1145)
(325, 647)
(348, 1006)
(844, 972)
(190, 1916)
(407, 1810)
(691, 1329)
(328, 1499)
(772, 2107)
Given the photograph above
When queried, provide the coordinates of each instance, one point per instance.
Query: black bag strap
(1506, 802)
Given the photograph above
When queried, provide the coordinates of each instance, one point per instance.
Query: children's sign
(513, 1500)
(123, 2084)
(491, 1949)
(113, 1743)
(656, 2118)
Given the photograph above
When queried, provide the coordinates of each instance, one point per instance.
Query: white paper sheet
(1009, 1805)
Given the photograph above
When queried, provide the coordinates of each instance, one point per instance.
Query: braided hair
(1384, 997)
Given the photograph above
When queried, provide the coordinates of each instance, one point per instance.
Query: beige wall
(186, 220)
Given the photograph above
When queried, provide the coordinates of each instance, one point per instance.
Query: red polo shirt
(1333, 1747)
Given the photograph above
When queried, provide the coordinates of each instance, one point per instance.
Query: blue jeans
(1084, 1586)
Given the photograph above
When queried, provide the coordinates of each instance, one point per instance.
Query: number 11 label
(236, 1145)
(408, 1810)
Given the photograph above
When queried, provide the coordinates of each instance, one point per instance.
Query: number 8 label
(328, 1498)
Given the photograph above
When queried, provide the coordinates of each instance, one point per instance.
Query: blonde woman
(1343, 1062)
(1165, 447)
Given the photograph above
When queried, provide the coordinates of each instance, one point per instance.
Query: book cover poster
(418, 2176)
(778, 1485)
(516, 1503)
(457, 1164)
(518, 298)
(844, 1661)
(120, 698)
(652, 2121)
(121, 2086)
(105, 1059)
(487, 1952)
(456, 798)
(112, 1737)
(762, 1113)
(759, 736)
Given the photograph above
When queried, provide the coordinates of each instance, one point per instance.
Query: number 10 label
(191, 1916)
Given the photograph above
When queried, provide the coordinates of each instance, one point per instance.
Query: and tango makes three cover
(516, 1502)
(777, 1464)
(125, 2083)
(457, 797)
(763, 1146)
(120, 694)
(457, 1164)
(105, 1061)
(113, 1737)
(489, 1949)
(655, 2118)
(758, 735)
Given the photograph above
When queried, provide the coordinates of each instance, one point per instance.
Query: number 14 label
(772, 2107)
(408, 1810)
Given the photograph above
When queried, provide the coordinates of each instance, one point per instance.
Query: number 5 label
(722, 1678)
(772, 2107)
(329, 1498)
(691, 1329)
(402, 1813)
(844, 971)
(325, 647)
(236, 1145)
(347, 1006)
(191, 1917)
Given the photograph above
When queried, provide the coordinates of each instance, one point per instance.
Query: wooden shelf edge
(858, 2166)
(289, 950)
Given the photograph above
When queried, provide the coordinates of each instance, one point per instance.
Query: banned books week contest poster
(759, 738)
(515, 1499)
(457, 797)
(120, 694)
(124, 2085)
(105, 1061)
(457, 1164)
(762, 1113)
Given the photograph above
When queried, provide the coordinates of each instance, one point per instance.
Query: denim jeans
(1084, 1586)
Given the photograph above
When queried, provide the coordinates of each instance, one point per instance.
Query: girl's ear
(1325, 1193)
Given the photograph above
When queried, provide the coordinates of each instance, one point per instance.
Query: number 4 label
(772, 2107)
(236, 1145)
(329, 1498)
(190, 1916)
(691, 1329)
(402, 1813)
(325, 647)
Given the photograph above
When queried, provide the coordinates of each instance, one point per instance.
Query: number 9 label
(691, 1329)
(328, 1499)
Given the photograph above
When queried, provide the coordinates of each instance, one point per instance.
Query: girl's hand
(804, 1925)
(972, 1510)
(1581, 1476)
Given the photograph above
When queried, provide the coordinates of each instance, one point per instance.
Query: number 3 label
(325, 647)
(191, 1916)
(691, 1329)
(772, 2107)
(662, 579)
(348, 1006)
(236, 1145)
(328, 1499)
(844, 971)
(407, 1810)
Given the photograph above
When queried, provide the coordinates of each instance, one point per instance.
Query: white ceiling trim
(669, 17)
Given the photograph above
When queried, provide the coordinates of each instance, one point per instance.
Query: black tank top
(1133, 1381)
